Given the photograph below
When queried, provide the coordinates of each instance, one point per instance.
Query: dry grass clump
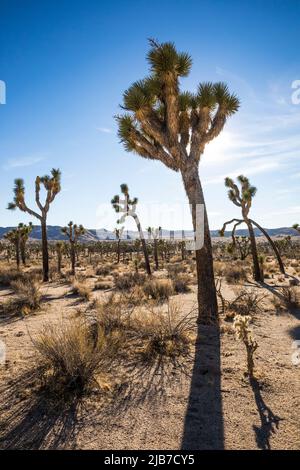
(219, 267)
(181, 283)
(128, 280)
(114, 314)
(72, 357)
(103, 285)
(27, 300)
(235, 274)
(288, 298)
(105, 269)
(158, 289)
(82, 289)
(246, 303)
(165, 333)
(9, 275)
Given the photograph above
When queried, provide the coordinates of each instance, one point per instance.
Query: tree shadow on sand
(203, 427)
(30, 419)
(269, 421)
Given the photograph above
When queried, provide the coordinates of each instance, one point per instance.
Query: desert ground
(161, 381)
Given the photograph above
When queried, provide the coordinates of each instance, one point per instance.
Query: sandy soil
(210, 404)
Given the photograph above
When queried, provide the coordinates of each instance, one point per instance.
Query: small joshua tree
(73, 232)
(243, 199)
(52, 186)
(155, 233)
(14, 237)
(243, 332)
(118, 233)
(25, 231)
(127, 207)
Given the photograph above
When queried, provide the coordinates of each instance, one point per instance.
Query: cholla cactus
(127, 207)
(242, 197)
(243, 333)
(73, 232)
(52, 186)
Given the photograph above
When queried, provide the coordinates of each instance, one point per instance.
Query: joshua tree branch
(239, 221)
(275, 249)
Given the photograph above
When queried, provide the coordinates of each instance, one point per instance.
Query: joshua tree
(52, 187)
(128, 207)
(297, 227)
(118, 233)
(163, 123)
(13, 237)
(155, 234)
(243, 199)
(25, 231)
(73, 232)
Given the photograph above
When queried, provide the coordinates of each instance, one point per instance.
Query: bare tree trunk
(59, 262)
(17, 246)
(119, 241)
(144, 246)
(256, 268)
(207, 298)
(155, 254)
(45, 252)
(73, 258)
(23, 253)
(277, 254)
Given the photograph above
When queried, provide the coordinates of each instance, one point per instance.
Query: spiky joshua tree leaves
(52, 187)
(163, 123)
(242, 197)
(127, 207)
(73, 232)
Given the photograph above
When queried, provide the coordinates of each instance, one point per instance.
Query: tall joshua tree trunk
(45, 251)
(73, 257)
(207, 298)
(275, 249)
(256, 269)
(156, 254)
(144, 246)
(17, 245)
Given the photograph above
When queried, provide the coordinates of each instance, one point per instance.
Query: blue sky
(66, 64)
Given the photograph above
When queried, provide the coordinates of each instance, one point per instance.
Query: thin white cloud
(104, 130)
(21, 162)
(256, 169)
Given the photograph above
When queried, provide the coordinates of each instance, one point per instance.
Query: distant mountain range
(54, 233)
